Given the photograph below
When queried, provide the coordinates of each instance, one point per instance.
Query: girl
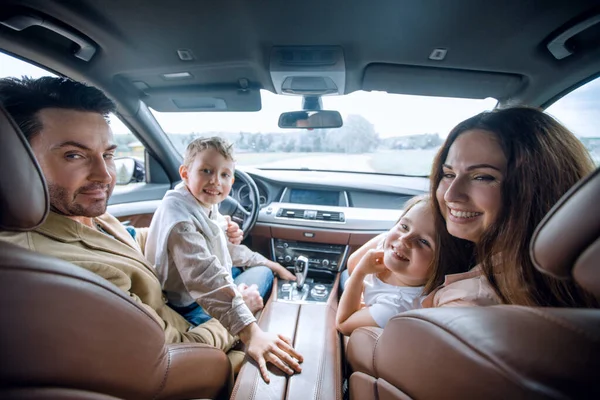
(394, 271)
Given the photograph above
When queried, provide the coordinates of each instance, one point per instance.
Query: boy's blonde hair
(200, 144)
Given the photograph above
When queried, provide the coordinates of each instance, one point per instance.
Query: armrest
(196, 371)
(276, 318)
(361, 349)
(318, 340)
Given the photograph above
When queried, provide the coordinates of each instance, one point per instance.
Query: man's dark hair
(24, 98)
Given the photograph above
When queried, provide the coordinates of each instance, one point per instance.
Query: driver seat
(49, 308)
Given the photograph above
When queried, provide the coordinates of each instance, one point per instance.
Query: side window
(128, 145)
(580, 112)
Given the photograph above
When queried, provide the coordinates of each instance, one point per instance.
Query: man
(66, 125)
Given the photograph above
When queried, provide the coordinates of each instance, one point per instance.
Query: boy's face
(209, 177)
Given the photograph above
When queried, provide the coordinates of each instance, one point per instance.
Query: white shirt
(193, 258)
(385, 301)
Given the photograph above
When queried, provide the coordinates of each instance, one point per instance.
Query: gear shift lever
(301, 270)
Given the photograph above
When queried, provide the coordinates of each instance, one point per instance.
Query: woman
(495, 178)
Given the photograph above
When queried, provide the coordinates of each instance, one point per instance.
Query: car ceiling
(495, 47)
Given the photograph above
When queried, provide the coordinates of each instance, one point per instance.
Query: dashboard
(329, 200)
(321, 206)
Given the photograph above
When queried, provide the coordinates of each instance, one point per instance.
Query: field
(410, 162)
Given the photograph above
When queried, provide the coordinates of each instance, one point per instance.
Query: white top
(385, 301)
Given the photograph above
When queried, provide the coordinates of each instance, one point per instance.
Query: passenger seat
(499, 352)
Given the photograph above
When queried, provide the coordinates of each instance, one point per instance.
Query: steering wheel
(230, 206)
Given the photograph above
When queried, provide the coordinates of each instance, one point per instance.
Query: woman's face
(469, 193)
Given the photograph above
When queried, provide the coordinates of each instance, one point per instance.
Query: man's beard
(62, 203)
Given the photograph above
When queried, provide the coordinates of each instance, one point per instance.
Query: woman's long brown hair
(544, 160)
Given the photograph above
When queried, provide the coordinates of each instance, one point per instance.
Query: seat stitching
(164, 380)
(374, 352)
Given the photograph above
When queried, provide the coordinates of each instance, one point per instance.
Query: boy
(187, 243)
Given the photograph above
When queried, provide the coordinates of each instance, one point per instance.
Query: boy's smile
(209, 177)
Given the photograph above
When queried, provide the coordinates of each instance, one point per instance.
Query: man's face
(75, 151)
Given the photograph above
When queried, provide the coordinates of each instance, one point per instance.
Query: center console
(303, 310)
(315, 265)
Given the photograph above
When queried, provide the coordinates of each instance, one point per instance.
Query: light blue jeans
(260, 276)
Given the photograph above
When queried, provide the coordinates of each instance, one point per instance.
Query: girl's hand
(371, 263)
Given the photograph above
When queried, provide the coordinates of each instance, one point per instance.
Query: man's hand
(281, 271)
(251, 297)
(266, 347)
(234, 233)
(371, 263)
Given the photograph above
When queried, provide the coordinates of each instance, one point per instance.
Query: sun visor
(186, 99)
(442, 82)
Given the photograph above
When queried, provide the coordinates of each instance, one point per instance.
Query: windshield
(382, 132)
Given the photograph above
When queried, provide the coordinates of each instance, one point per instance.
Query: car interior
(163, 62)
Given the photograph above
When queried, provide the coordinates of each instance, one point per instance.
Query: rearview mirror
(316, 119)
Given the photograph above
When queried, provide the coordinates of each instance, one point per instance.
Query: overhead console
(308, 70)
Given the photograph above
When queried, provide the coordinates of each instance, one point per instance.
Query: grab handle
(86, 49)
(558, 45)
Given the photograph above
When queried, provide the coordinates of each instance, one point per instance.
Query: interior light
(177, 75)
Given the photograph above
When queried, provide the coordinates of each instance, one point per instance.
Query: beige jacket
(118, 259)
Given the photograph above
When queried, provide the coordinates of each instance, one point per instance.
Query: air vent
(333, 216)
(330, 216)
(290, 213)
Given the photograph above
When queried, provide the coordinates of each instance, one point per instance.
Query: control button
(325, 262)
(288, 259)
(319, 292)
(269, 210)
(286, 287)
(285, 245)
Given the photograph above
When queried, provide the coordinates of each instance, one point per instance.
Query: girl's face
(469, 194)
(410, 245)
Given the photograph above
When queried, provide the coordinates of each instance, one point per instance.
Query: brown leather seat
(498, 352)
(66, 332)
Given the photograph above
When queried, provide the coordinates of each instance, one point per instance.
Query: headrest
(23, 192)
(567, 241)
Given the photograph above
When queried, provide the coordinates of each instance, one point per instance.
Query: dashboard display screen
(315, 197)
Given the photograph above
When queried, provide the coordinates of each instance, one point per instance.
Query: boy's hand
(281, 271)
(251, 297)
(371, 263)
(234, 233)
(266, 347)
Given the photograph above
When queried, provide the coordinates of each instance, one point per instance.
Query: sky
(391, 114)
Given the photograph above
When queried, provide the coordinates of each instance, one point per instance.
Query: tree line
(356, 136)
